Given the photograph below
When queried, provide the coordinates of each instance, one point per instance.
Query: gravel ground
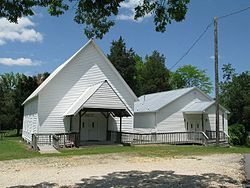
(123, 170)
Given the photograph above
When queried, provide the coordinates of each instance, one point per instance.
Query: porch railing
(57, 140)
(41, 139)
(212, 135)
(160, 138)
(61, 140)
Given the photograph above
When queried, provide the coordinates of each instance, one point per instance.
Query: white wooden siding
(211, 119)
(86, 69)
(171, 118)
(127, 124)
(105, 97)
(30, 119)
(145, 120)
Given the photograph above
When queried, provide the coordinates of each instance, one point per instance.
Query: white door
(195, 125)
(92, 129)
(89, 129)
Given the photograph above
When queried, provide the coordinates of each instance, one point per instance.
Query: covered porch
(97, 112)
(200, 116)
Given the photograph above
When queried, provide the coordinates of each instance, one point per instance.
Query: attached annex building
(85, 94)
(181, 110)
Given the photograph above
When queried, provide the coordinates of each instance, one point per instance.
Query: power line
(233, 13)
(204, 32)
(190, 48)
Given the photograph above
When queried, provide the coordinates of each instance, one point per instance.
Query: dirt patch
(122, 170)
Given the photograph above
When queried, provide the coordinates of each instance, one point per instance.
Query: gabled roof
(76, 106)
(197, 106)
(58, 69)
(155, 101)
(98, 96)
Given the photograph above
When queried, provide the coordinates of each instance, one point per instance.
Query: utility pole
(216, 81)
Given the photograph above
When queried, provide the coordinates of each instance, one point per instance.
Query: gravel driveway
(123, 170)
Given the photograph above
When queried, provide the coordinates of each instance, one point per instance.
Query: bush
(237, 134)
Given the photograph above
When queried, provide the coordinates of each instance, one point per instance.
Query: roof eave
(51, 76)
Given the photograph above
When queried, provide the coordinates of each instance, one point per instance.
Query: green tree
(225, 85)
(190, 76)
(14, 89)
(235, 97)
(155, 75)
(7, 109)
(98, 15)
(124, 61)
(139, 65)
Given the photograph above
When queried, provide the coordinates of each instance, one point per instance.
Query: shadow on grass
(149, 179)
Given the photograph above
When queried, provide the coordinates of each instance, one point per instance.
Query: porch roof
(197, 107)
(100, 97)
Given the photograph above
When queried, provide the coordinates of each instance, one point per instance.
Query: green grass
(14, 148)
(157, 150)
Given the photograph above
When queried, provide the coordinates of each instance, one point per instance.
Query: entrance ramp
(44, 149)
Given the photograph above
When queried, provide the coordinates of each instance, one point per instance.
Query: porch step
(43, 149)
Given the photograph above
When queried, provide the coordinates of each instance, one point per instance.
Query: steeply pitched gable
(60, 68)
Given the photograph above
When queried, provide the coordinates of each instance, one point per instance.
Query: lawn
(14, 148)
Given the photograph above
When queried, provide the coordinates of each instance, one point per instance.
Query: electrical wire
(204, 32)
(194, 43)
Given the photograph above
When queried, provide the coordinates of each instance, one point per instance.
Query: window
(191, 125)
(82, 124)
(198, 126)
(93, 124)
(187, 125)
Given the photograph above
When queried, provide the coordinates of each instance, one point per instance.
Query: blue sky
(41, 43)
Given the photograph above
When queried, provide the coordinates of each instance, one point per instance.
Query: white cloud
(130, 4)
(23, 31)
(19, 62)
(128, 9)
(212, 57)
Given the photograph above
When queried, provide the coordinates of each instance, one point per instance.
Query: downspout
(156, 121)
(202, 121)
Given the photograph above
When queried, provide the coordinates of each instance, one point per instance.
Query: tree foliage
(123, 60)
(155, 76)
(190, 76)
(14, 89)
(234, 96)
(237, 134)
(98, 15)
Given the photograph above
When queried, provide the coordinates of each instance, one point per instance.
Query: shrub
(237, 134)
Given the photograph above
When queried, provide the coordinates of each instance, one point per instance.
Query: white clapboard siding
(105, 97)
(171, 118)
(145, 120)
(30, 119)
(114, 124)
(212, 119)
(88, 67)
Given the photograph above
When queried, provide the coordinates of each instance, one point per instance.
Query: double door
(89, 129)
(194, 125)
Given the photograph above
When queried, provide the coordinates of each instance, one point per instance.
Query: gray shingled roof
(155, 101)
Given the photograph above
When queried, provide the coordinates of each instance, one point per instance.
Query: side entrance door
(195, 125)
